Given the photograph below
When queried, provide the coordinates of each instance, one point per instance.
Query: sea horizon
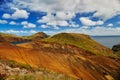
(107, 41)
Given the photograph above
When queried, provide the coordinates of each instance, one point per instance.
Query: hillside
(64, 54)
(36, 36)
(15, 38)
(11, 70)
(11, 38)
(80, 40)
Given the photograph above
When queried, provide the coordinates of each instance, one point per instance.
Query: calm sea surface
(107, 41)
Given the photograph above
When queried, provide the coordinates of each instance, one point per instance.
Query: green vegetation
(3, 76)
(15, 64)
(80, 40)
(41, 76)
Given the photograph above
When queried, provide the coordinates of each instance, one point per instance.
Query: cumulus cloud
(28, 25)
(73, 24)
(19, 32)
(18, 14)
(44, 26)
(104, 9)
(99, 22)
(51, 20)
(13, 23)
(3, 22)
(6, 16)
(60, 19)
(87, 22)
(64, 15)
(110, 25)
(99, 30)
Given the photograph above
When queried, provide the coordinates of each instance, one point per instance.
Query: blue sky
(92, 17)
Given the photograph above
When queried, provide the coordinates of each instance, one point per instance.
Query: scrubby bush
(3, 76)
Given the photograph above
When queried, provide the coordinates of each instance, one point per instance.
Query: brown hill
(36, 36)
(11, 38)
(64, 58)
(15, 38)
(81, 41)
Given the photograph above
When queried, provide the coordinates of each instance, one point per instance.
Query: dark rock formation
(116, 48)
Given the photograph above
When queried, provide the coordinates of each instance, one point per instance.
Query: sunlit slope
(11, 38)
(36, 36)
(80, 40)
(14, 38)
(65, 59)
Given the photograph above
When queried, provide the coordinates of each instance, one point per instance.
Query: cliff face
(68, 59)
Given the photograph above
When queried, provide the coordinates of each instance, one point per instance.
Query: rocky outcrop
(116, 48)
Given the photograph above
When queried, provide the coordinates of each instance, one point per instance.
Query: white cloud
(60, 19)
(99, 30)
(28, 25)
(19, 32)
(87, 22)
(13, 23)
(99, 22)
(53, 21)
(6, 16)
(3, 22)
(44, 26)
(110, 25)
(104, 9)
(64, 15)
(18, 14)
(73, 24)
(62, 23)
(32, 31)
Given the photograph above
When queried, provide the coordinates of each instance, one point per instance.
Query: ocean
(107, 41)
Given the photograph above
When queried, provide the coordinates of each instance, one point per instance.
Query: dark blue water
(107, 41)
(19, 42)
